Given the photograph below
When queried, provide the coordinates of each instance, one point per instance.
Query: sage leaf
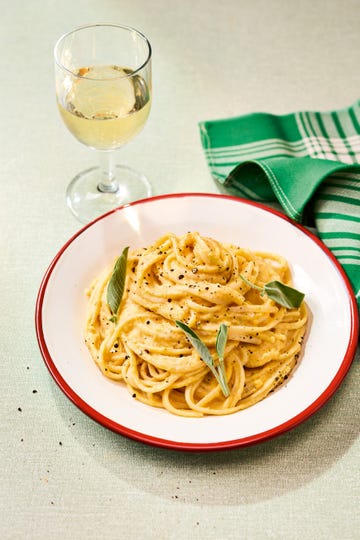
(115, 289)
(220, 345)
(196, 342)
(204, 354)
(283, 294)
(221, 339)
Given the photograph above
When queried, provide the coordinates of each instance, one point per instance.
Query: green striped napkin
(309, 162)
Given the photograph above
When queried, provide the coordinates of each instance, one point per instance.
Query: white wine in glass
(103, 89)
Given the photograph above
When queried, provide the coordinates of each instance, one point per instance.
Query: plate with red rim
(329, 348)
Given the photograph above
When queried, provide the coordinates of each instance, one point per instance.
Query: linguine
(195, 280)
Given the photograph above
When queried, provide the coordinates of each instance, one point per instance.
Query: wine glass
(103, 91)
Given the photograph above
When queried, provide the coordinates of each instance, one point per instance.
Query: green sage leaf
(221, 339)
(220, 345)
(205, 355)
(196, 342)
(283, 294)
(115, 289)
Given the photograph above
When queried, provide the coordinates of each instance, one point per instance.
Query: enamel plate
(330, 343)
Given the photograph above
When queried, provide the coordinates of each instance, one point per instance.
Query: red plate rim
(200, 447)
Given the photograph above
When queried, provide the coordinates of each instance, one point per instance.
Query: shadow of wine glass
(236, 477)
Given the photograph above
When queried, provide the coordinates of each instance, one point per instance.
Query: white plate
(329, 349)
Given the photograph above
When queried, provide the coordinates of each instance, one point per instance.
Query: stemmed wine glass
(103, 91)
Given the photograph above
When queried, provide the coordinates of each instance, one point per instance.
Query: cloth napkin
(309, 162)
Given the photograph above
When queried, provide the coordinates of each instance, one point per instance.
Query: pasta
(196, 280)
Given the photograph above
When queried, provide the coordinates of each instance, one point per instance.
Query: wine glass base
(87, 202)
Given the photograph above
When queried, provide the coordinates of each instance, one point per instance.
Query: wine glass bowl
(103, 90)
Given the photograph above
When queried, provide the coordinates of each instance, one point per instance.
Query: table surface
(63, 475)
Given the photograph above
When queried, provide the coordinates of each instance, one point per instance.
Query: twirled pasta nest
(196, 280)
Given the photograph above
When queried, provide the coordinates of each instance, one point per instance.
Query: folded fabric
(309, 162)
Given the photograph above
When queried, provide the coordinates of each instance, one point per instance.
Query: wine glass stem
(108, 183)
